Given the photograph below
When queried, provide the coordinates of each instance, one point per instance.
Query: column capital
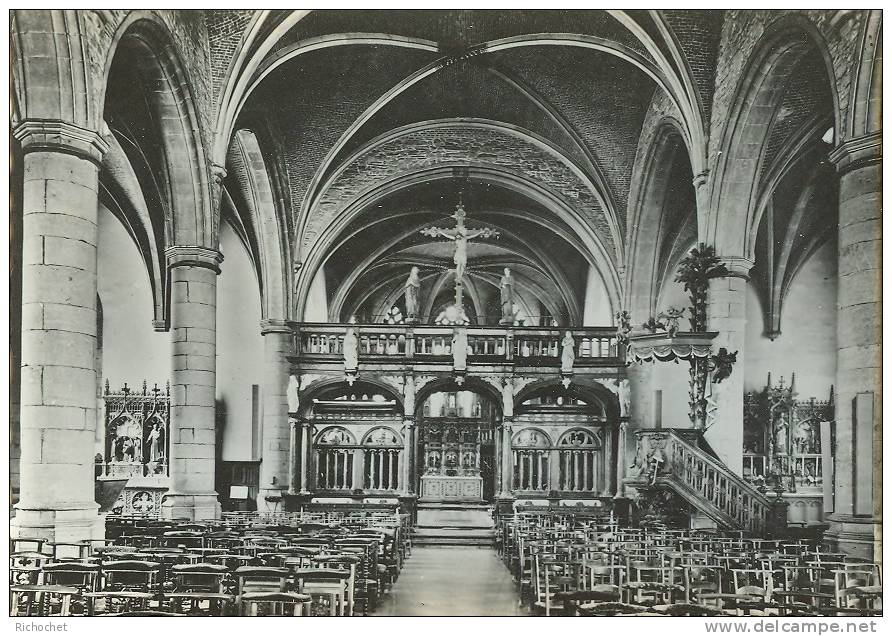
(193, 256)
(274, 325)
(857, 152)
(44, 135)
(409, 419)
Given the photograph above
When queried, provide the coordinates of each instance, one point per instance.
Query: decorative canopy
(661, 347)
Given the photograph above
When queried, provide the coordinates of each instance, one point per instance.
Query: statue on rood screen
(568, 353)
(351, 349)
(459, 349)
(506, 288)
(412, 287)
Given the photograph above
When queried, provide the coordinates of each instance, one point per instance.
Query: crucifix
(461, 235)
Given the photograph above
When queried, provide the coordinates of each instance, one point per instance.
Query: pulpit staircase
(685, 464)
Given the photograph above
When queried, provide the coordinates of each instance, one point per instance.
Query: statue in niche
(155, 440)
(506, 288)
(351, 350)
(412, 287)
(292, 394)
(568, 353)
(459, 349)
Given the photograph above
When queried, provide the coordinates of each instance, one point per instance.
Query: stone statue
(624, 393)
(412, 287)
(409, 395)
(506, 287)
(459, 349)
(568, 353)
(292, 394)
(156, 443)
(508, 399)
(351, 350)
(670, 317)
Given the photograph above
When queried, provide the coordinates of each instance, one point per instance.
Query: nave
(453, 581)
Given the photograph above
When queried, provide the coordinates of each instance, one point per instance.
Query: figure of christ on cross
(460, 235)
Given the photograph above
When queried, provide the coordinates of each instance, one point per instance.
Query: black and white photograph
(509, 312)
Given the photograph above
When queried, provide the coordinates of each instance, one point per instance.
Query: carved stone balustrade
(670, 458)
(321, 345)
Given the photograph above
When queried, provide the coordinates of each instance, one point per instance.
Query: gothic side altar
(451, 462)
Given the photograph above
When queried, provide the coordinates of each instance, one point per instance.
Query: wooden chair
(613, 609)
(275, 604)
(182, 539)
(42, 600)
(860, 582)
(115, 602)
(26, 544)
(346, 562)
(82, 576)
(132, 576)
(554, 577)
(701, 579)
(259, 579)
(70, 551)
(330, 585)
(688, 609)
(200, 589)
(599, 594)
(25, 567)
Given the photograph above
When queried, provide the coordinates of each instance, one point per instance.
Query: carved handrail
(666, 458)
(484, 342)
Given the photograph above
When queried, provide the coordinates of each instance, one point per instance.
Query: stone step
(482, 542)
(453, 532)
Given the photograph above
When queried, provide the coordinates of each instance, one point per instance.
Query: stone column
(276, 431)
(609, 483)
(507, 457)
(305, 432)
(58, 393)
(408, 486)
(854, 524)
(621, 444)
(193, 326)
(498, 459)
(293, 441)
(727, 315)
(641, 408)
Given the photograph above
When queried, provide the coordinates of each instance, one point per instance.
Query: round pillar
(193, 327)
(59, 324)
(276, 433)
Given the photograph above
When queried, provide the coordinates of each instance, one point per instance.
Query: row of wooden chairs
(197, 569)
(554, 558)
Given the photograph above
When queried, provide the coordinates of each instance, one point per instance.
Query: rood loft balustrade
(388, 344)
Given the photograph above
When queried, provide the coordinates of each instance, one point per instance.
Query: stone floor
(452, 581)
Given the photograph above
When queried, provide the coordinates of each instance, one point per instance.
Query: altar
(452, 488)
(451, 461)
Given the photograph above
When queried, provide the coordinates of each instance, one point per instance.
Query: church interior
(446, 312)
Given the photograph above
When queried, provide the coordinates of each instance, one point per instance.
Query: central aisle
(452, 581)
